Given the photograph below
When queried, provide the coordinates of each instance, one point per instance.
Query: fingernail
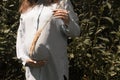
(35, 62)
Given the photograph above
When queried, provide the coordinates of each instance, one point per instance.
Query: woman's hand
(63, 14)
(34, 63)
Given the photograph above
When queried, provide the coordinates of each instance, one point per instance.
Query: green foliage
(8, 28)
(97, 51)
(94, 55)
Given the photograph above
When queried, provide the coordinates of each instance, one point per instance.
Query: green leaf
(88, 55)
(109, 5)
(100, 29)
(87, 41)
(108, 19)
(103, 39)
(112, 73)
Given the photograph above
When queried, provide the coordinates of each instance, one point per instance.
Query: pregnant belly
(41, 52)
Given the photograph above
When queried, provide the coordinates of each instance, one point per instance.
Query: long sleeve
(72, 28)
(21, 52)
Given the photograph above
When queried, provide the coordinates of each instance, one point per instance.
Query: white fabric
(51, 45)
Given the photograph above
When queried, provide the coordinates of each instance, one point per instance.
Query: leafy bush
(97, 51)
(8, 28)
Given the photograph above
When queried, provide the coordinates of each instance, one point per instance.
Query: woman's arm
(20, 50)
(72, 28)
(70, 19)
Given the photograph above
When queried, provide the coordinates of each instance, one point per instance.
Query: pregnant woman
(42, 36)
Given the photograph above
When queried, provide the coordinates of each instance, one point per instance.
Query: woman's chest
(37, 17)
(38, 14)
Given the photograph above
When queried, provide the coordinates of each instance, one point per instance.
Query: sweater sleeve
(20, 50)
(72, 29)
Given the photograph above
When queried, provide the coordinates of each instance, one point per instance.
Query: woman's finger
(60, 10)
(34, 63)
(62, 14)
